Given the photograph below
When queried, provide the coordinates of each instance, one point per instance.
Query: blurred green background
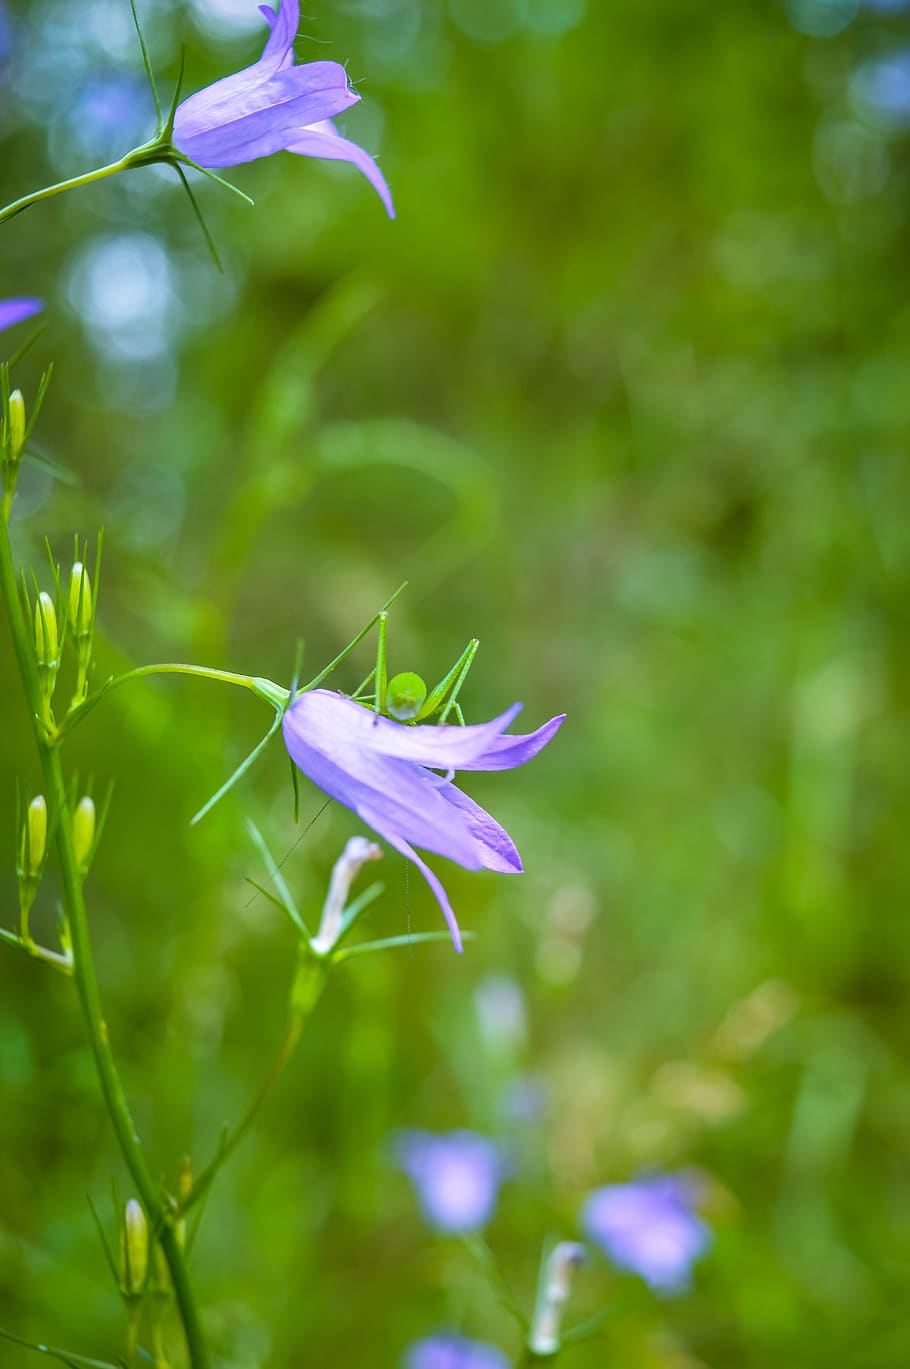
(623, 392)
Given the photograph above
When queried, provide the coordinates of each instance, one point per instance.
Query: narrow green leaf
(393, 942)
(277, 878)
(147, 63)
(210, 241)
(241, 770)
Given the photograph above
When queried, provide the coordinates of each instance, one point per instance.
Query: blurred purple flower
(15, 310)
(448, 1351)
(274, 106)
(456, 1177)
(649, 1227)
(383, 770)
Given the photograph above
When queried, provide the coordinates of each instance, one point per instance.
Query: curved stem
(308, 985)
(181, 668)
(160, 1216)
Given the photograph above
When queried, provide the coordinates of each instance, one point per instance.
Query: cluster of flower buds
(70, 617)
(32, 858)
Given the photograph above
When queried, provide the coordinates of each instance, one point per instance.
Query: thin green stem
(180, 668)
(115, 1100)
(154, 151)
(31, 948)
(308, 985)
(203, 1183)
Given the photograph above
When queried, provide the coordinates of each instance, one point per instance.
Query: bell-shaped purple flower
(456, 1177)
(15, 310)
(384, 771)
(274, 106)
(650, 1228)
(446, 1350)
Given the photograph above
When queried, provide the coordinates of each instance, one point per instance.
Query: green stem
(160, 1217)
(308, 985)
(153, 151)
(179, 668)
(31, 948)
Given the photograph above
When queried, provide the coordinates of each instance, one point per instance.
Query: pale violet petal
(322, 140)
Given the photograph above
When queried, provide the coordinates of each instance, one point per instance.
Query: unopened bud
(34, 837)
(15, 436)
(544, 1338)
(84, 831)
(79, 602)
(134, 1249)
(46, 641)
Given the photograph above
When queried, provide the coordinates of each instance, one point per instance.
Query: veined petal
(15, 310)
(505, 753)
(335, 719)
(396, 799)
(242, 118)
(278, 52)
(497, 848)
(322, 140)
(442, 897)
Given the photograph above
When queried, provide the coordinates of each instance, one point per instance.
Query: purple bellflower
(650, 1228)
(456, 1177)
(448, 1351)
(274, 106)
(384, 771)
(15, 310)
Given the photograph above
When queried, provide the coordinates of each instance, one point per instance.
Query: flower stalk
(160, 1214)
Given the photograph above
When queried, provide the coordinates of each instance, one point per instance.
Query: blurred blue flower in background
(650, 1228)
(448, 1351)
(15, 310)
(456, 1177)
(274, 106)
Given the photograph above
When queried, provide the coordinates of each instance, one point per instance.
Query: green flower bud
(34, 837)
(46, 641)
(79, 601)
(14, 443)
(406, 695)
(134, 1249)
(84, 831)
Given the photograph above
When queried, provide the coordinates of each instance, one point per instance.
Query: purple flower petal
(15, 310)
(278, 52)
(440, 747)
(444, 1350)
(498, 848)
(456, 1177)
(650, 1228)
(242, 117)
(504, 753)
(322, 140)
(384, 771)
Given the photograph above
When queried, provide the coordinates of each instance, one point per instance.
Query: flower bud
(34, 837)
(14, 437)
(134, 1249)
(84, 831)
(544, 1338)
(79, 601)
(46, 641)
